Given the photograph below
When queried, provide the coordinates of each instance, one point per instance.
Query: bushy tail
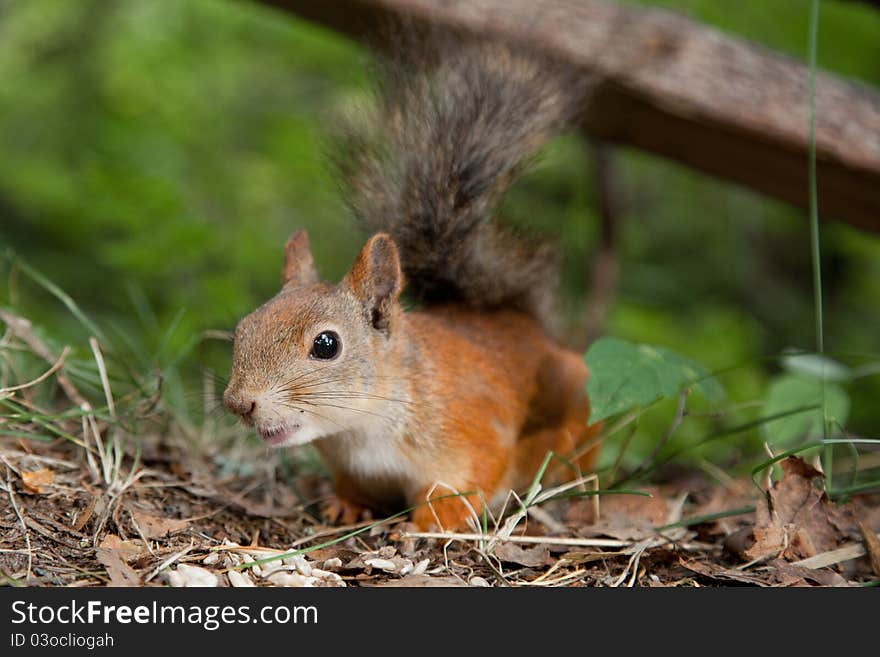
(457, 122)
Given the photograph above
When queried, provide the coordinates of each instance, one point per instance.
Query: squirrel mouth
(278, 435)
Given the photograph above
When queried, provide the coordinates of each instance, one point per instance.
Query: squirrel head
(306, 363)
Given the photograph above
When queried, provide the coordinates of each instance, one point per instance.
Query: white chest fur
(373, 457)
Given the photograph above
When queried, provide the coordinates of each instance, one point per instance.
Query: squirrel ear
(299, 267)
(376, 278)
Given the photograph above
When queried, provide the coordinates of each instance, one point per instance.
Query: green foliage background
(156, 154)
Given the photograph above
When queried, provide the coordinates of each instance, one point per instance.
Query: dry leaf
(533, 557)
(624, 517)
(156, 527)
(798, 521)
(717, 572)
(86, 514)
(872, 547)
(791, 575)
(128, 549)
(35, 480)
(113, 559)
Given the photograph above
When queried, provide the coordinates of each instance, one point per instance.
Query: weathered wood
(678, 89)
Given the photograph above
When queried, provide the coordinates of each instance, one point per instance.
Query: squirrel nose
(239, 404)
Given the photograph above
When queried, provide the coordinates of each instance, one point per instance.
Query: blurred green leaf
(791, 391)
(625, 375)
(814, 366)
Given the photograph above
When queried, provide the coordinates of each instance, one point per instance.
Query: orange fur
(491, 396)
(415, 405)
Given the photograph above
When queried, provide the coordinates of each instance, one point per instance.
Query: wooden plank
(675, 88)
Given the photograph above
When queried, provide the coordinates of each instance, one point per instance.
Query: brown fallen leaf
(112, 554)
(624, 517)
(533, 557)
(798, 520)
(872, 546)
(578, 557)
(736, 494)
(86, 515)
(714, 571)
(792, 575)
(36, 480)
(156, 527)
(129, 549)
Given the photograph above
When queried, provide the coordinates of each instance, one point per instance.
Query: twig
(543, 540)
(633, 563)
(170, 560)
(102, 371)
(27, 536)
(845, 553)
(45, 375)
(561, 581)
(546, 519)
(22, 329)
(646, 464)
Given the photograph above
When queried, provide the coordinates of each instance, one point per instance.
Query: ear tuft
(376, 279)
(299, 266)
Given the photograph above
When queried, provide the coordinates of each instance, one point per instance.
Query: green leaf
(625, 375)
(790, 391)
(814, 366)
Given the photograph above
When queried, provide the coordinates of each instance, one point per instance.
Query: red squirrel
(468, 392)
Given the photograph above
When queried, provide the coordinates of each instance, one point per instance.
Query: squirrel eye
(325, 346)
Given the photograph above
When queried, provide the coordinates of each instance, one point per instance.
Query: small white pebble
(421, 567)
(478, 581)
(211, 559)
(326, 576)
(191, 576)
(299, 562)
(382, 564)
(282, 578)
(239, 579)
(333, 563)
(405, 568)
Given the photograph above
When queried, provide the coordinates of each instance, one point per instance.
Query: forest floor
(179, 522)
(130, 494)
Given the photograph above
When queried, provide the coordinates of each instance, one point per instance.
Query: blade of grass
(815, 247)
(854, 488)
(802, 448)
(58, 293)
(592, 493)
(723, 433)
(709, 517)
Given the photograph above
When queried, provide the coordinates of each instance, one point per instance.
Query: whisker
(311, 384)
(358, 410)
(308, 410)
(352, 395)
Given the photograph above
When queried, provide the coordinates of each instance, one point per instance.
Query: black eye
(326, 346)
